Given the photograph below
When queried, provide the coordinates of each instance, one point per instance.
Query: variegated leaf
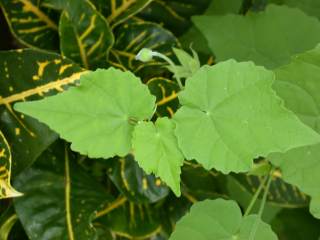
(134, 183)
(60, 200)
(166, 92)
(174, 14)
(117, 11)
(85, 36)
(30, 75)
(131, 37)
(280, 193)
(31, 24)
(132, 221)
(6, 190)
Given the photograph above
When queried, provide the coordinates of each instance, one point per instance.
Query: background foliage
(47, 44)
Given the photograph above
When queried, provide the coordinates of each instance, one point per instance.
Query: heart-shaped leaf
(103, 110)
(230, 115)
(298, 83)
(267, 37)
(220, 219)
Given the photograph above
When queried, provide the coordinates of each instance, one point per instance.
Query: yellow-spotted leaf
(31, 24)
(280, 193)
(25, 75)
(60, 200)
(166, 92)
(230, 107)
(134, 35)
(85, 36)
(120, 10)
(6, 190)
(134, 183)
(174, 14)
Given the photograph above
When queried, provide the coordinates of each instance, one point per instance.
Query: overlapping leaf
(134, 35)
(6, 190)
(298, 84)
(85, 35)
(104, 109)
(60, 199)
(267, 38)
(134, 183)
(30, 75)
(32, 25)
(166, 92)
(134, 221)
(230, 115)
(174, 14)
(193, 35)
(280, 193)
(120, 10)
(310, 7)
(220, 219)
(156, 149)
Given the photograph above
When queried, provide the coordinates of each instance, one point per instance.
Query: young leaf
(220, 219)
(156, 150)
(230, 115)
(267, 38)
(189, 64)
(98, 116)
(298, 84)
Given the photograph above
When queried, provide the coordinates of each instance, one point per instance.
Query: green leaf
(60, 199)
(193, 35)
(156, 149)
(310, 7)
(267, 38)
(32, 25)
(134, 35)
(230, 115)
(220, 219)
(103, 111)
(298, 83)
(29, 75)
(134, 183)
(165, 91)
(6, 190)
(174, 14)
(85, 35)
(189, 65)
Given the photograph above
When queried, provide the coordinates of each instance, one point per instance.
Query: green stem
(255, 196)
(263, 203)
(171, 63)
